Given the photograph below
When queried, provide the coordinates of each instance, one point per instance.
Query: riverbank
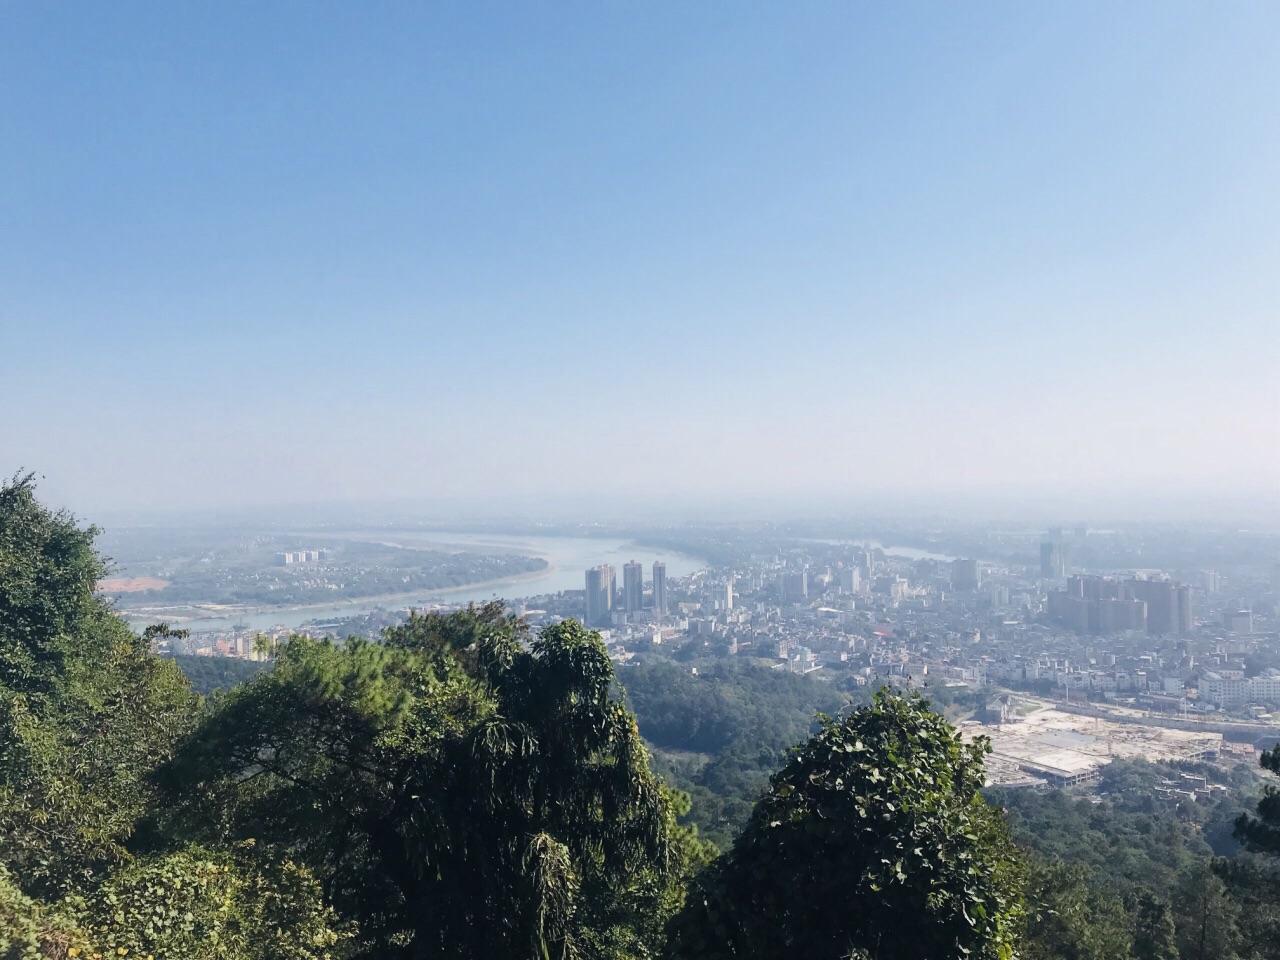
(185, 613)
(567, 560)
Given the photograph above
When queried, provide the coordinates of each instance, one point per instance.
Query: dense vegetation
(464, 788)
(720, 732)
(873, 841)
(1135, 853)
(210, 674)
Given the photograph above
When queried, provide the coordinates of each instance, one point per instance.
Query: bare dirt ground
(131, 584)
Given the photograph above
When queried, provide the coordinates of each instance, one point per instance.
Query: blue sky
(802, 253)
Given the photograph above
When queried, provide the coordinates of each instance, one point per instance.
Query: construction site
(1034, 744)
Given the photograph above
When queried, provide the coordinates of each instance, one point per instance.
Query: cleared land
(131, 584)
(1047, 746)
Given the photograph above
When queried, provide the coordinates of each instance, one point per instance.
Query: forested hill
(718, 729)
(1132, 866)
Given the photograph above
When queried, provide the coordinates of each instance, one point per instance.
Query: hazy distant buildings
(966, 574)
(599, 595)
(1238, 621)
(1168, 605)
(1093, 604)
(795, 585)
(866, 565)
(850, 580)
(659, 589)
(632, 587)
(290, 557)
(1053, 560)
(1117, 616)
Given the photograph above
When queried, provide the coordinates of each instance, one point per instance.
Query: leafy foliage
(873, 841)
(1261, 831)
(207, 905)
(86, 712)
(31, 930)
(459, 788)
(1134, 869)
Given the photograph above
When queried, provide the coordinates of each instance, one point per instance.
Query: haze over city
(1004, 260)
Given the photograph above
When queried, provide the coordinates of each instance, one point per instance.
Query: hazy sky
(256, 253)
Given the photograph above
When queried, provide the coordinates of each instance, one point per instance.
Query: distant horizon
(586, 510)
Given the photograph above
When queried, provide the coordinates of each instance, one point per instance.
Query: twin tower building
(602, 598)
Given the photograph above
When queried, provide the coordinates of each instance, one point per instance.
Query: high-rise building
(659, 588)
(867, 565)
(599, 595)
(1161, 598)
(966, 574)
(850, 580)
(1093, 604)
(726, 595)
(1117, 616)
(1053, 560)
(795, 585)
(632, 587)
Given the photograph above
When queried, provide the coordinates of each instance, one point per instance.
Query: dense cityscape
(1132, 653)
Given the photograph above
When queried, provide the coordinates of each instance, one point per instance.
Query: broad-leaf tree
(873, 841)
(86, 711)
(461, 789)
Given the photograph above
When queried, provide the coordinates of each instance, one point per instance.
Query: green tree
(1253, 879)
(1154, 934)
(86, 711)
(1253, 883)
(1206, 917)
(1261, 832)
(1072, 916)
(873, 841)
(461, 789)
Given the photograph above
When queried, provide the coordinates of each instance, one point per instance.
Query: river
(568, 560)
